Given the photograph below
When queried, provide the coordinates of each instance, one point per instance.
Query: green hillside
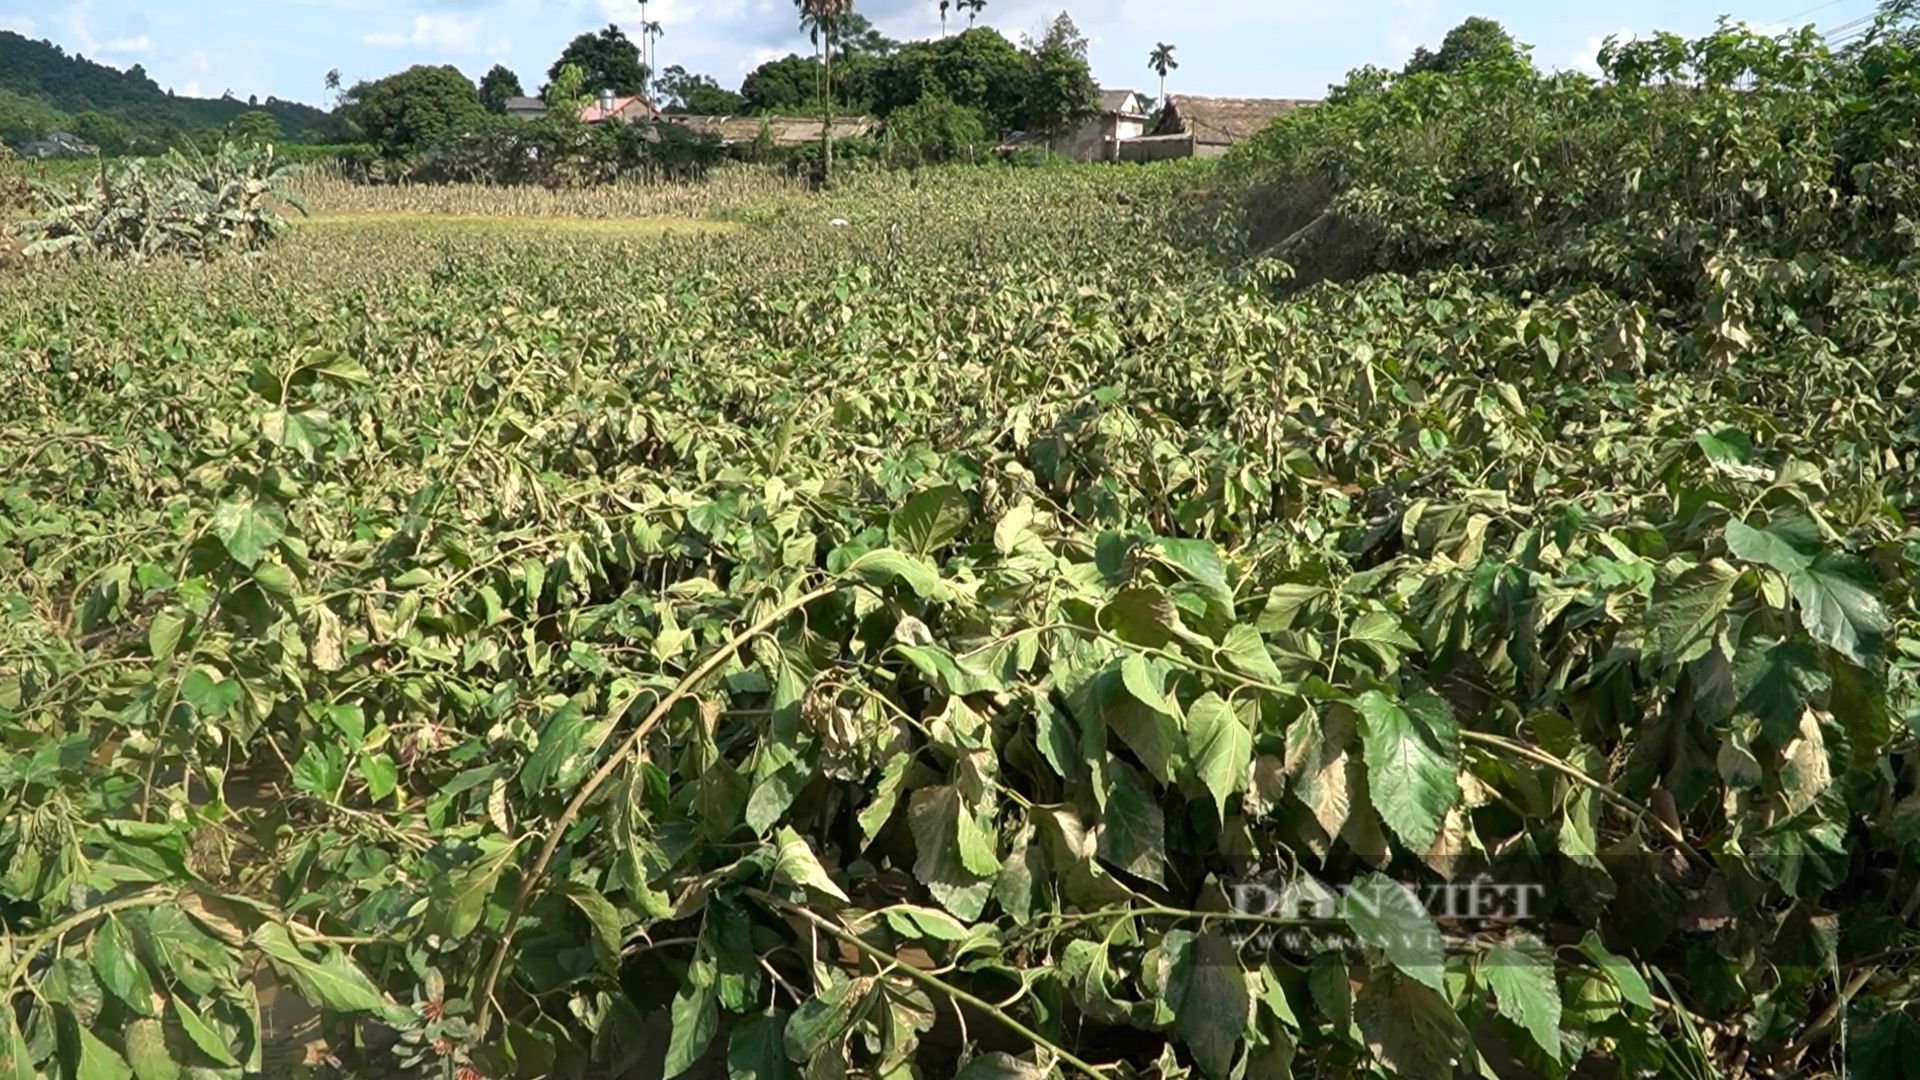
(43, 88)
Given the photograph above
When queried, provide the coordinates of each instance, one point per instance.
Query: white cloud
(664, 12)
(1586, 59)
(445, 33)
(19, 24)
(80, 21)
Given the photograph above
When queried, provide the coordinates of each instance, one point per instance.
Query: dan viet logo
(1307, 915)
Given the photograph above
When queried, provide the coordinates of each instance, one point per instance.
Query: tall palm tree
(651, 32)
(644, 62)
(821, 20)
(1161, 60)
(944, 5)
(972, 8)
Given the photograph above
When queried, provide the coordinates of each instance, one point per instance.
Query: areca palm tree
(821, 20)
(944, 5)
(1161, 60)
(972, 7)
(651, 32)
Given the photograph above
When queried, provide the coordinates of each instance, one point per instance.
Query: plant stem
(531, 881)
(932, 981)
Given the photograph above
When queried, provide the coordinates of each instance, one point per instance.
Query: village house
(779, 131)
(628, 108)
(1193, 126)
(526, 108)
(58, 144)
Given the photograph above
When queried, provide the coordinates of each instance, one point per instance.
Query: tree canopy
(1476, 40)
(409, 110)
(608, 60)
(497, 85)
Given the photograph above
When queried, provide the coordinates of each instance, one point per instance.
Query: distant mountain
(44, 89)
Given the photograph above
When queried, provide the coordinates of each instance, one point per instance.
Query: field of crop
(926, 646)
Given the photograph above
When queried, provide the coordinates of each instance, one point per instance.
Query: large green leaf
(757, 1049)
(1890, 1050)
(1626, 978)
(1133, 828)
(98, 1061)
(1220, 746)
(1686, 609)
(1410, 750)
(696, 1018)
(146, 1044)
(933, 816)
(796, 864)
(202, 1034)
(929, 519)
(249, 529)
(1213, 1005)
(1521, 978)
(120, 969)
(1389, 916)
(333, 982)
(1777, 681)
(1408, 1026)
(1841, 609)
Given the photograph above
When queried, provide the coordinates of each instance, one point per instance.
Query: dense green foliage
(43, 89)
(497, 85)
(189, 205)
(413, 109)
(885, 640)
(934, 131)
(608, 60)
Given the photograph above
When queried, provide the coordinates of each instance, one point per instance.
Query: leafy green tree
(1478, 40)
(678, 90)
(934, 130)
(405, 112)
(496, 86)
(977, 68)
(566, 91)
(256, 126)
(1161, 61)
(608, 60)
(111, 134)
(1060, 91)
(788, 84)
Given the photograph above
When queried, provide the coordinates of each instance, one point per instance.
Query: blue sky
(1290, 48)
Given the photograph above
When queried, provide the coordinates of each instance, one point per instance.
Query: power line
(1791, 19)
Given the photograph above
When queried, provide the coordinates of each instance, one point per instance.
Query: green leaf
(210, 695)
(163, 633)
(380, 773)
(1889, 1051)
(349, 720)
(796, 864)
(202, 1034)
(1133, 828)
(1200, 560)
(1221, 748)
(1625, 977)
(1000, 1065)
(921, 922)
(608, 932)
(466, 892)
(1840, 610)
(1146, 681)
(1246, 652)
(758, 1051)
(16, 1059)
(886, 796)
(568, 744)
(933, 816)
(334, 982)
(1412, 776)
(1787, 545)
(1687, 608)
(98, 1061)
(696, 1017)
(1381, 631)
(1386, 915)
(929, 519)
(1409, 1027)
(320, 770)
(120, 969)
(884, 565)
(1211, 1014)
(248, 529)
(1521, 977)
(1776, 682)
(146, 1043)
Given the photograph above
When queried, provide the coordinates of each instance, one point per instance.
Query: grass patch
(500, 223)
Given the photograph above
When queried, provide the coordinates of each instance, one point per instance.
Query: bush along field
(1020, 633)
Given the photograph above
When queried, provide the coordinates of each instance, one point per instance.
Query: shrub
(188, 205)
(934, 131)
